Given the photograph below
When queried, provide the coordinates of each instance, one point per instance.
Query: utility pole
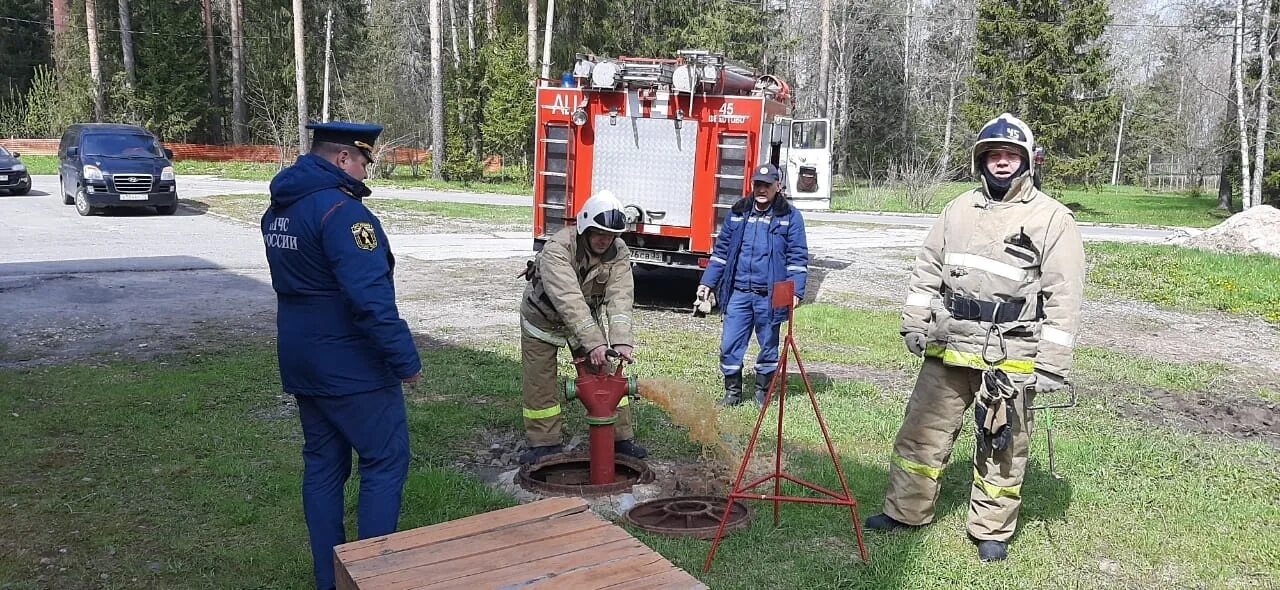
(1115, 164)
(437, 91)
(95, 61)
(328, 56)
(824, 60)
(300, 74)
(546, 42)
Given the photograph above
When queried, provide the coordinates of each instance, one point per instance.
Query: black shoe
(732, 391)
(536, 454)
(992, 550)
(629, 448)
(884, 522)
(762, 388)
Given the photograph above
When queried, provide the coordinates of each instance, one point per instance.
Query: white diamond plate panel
(647, 163)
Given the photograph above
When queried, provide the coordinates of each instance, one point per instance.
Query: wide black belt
(965, 308)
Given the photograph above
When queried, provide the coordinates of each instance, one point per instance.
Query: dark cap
(766, 173)
(360, 135)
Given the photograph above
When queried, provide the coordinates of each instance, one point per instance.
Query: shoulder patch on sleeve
(365, 237)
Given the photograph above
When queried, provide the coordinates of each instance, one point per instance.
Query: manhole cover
(570, 475)
(688, 516)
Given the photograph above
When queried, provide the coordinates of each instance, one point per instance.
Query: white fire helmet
(602, 211)
(1005, 131)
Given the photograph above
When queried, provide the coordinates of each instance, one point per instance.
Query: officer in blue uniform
(761, 243)
(343, 349)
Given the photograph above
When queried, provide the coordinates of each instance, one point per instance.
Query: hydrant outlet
(570, 391)
(632, 388)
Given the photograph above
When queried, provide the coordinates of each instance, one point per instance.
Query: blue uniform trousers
(375, 426)
(749, 311)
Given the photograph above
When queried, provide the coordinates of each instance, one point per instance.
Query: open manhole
(688, 516)
(570, 475)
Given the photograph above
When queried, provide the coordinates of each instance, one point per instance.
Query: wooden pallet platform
(554, 543)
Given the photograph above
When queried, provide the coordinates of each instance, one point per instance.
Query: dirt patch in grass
(1243, 418)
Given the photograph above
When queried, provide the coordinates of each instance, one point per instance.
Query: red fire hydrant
(600, 394)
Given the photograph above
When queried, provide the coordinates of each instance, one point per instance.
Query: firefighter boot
(884, 522)
(762, 388)
(629, 448)
(732, 390)
(992, 551)
(535, 454)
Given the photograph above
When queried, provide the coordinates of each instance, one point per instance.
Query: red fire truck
(675, 140)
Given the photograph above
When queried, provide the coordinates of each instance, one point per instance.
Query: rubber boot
(535, 454)
(989, 551)
(884, 522)
(629, 448)
(732, 390)
(762, 388)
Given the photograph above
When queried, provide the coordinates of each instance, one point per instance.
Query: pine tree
(1044, 61)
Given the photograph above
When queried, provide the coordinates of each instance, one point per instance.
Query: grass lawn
(1124, 204)
(249, 208)
(185, 473)
(491, 183)
(1186, 278)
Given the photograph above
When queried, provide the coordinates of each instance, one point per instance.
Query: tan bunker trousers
(935, 414)
(542, 395)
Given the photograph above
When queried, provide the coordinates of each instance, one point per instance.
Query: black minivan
(110, 165)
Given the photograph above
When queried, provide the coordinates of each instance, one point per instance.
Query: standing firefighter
(761, 243)
(344, 351)
(993, 305)
(581, 274)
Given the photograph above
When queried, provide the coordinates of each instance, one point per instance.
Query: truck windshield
(809, 135)
(121, 145)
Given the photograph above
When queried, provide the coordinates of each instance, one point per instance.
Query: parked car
(109, 165)
(14, 178)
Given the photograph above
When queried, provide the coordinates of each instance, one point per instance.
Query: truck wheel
(82, 204)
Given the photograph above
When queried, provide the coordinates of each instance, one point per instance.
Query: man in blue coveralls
(761, 243)
(343, 349)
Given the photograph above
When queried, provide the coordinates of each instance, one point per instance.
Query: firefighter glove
(915, 343)
(1048, 382)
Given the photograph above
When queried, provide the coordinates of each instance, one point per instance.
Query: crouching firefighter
(578, 284)
(993, 306)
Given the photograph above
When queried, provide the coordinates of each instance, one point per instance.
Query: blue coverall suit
(343, 349)
(754, 250)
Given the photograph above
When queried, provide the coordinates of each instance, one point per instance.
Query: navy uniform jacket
(331, 267)
(784, 255)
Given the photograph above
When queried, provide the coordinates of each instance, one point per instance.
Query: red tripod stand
(783, 298)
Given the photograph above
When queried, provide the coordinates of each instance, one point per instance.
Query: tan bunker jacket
(570, 288)
(1012, 268)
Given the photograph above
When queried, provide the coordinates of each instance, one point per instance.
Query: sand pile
(1256, 231)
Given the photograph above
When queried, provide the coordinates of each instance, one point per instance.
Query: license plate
(4, 177)
(647, 256)
(133, 197)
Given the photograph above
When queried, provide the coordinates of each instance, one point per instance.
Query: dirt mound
(1256, 231)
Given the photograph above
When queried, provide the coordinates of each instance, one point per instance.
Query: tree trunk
(239, 113)
(1240, 104)
(824, 60)
(533, 34)
(126, 45)
(953, 91)
(437, 92)
(546, 40)
(1264, 101)
(59, 18)
(300, 73)
(95, 62)
(906, 74)
(453, 34)
(491, 19)
(471, 26)
(215, 94)
(1224, 185)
